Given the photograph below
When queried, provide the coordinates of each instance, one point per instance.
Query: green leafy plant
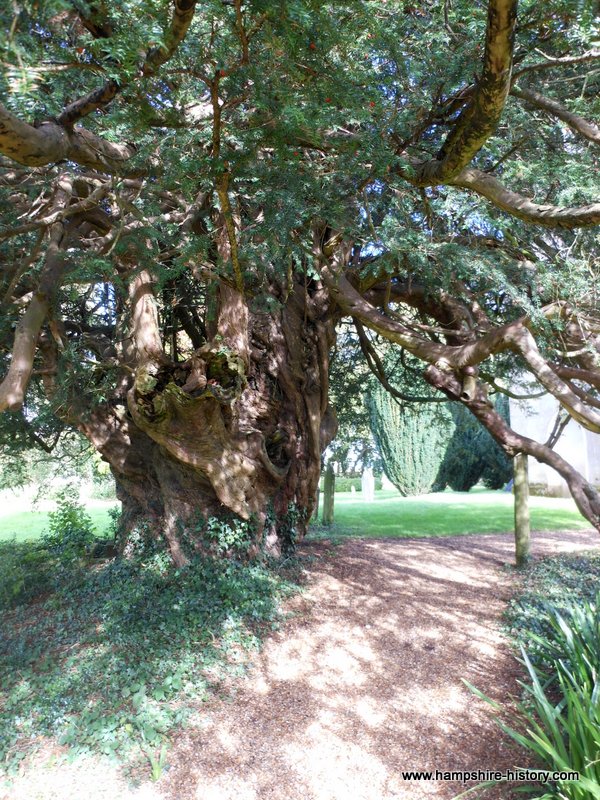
(146, 638)
(231, 535)
(157, 759)
(71, 532)
(287, 530)
(560, 712)
(24, 572)
(557, 720)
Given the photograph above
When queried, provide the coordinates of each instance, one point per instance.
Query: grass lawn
(443, 514)
(23, 525)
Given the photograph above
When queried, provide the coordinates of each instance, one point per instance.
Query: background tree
(412, 440)
(181, 236)
(472, 455)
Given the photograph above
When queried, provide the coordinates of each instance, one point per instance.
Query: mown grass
(440, 514)
(443, 514)
(28, 525)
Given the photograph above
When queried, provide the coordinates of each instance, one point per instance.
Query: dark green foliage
(472, 455)
(557, 622)
(557, 582)
(412, 440)
(287, 529)
(232, 536)
(112, 661)
(25, 572)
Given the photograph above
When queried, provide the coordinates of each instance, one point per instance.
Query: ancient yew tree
(195, 194)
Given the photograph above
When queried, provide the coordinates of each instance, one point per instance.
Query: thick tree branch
(376, 366)
(145, 329)
(56, 216)
(588, 130)
(514, 336)
(481, 115)
(585, 495)
(50, 143)
(14, 385)
(575, 373)
(515, 204)
(94, 20)
(183, 13)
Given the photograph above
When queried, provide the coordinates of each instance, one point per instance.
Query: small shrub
(71, 533)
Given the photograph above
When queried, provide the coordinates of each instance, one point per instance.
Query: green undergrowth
(554, 583)
(119, 653)
(555, 624)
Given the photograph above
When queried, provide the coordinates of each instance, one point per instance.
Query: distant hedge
(346, 484)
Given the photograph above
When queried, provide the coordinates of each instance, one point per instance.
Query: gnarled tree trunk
(235, 432)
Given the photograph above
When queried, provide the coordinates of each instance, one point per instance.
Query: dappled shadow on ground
(367, 680)
(108, 662)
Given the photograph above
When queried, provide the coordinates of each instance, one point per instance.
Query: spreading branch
(583, 127)
(82, 206)
(585, 495)
(480, 117)
(514, 337)
(183, 13)
(16, 381)
(564, 61)
(50, 143)
(549, 216)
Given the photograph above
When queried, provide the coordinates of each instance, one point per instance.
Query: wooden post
(328, 495)
(315, 514)
(522, 524)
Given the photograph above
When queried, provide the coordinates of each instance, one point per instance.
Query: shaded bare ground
(363, 682)
(366, 680)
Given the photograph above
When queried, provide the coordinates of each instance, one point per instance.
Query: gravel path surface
(363, 682)
(366, 680)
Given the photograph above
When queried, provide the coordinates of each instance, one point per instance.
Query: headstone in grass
(368, 485)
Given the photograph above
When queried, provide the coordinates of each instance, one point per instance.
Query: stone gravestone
(368, 485)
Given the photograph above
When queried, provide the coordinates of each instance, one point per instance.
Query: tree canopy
(195, 194)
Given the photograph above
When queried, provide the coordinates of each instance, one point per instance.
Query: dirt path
(367, 680)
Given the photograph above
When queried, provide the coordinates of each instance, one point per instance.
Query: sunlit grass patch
(444, 514)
